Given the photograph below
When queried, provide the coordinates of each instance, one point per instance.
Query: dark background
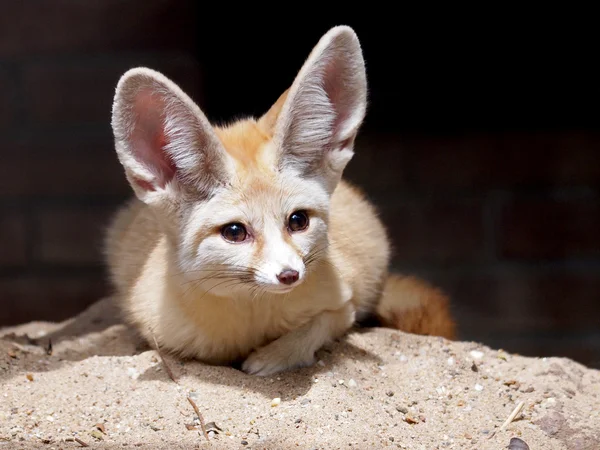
(481, 148)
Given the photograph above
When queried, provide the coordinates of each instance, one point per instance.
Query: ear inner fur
(324, 108)
(162, 138)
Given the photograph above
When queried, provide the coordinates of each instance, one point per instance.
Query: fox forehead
(250, 144)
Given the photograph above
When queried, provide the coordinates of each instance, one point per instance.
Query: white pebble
(450, 361)
(352, 383)
(341, 382)
(276, 401)
(476, 354)
(321, 363)
(133, 373)
(478, 387)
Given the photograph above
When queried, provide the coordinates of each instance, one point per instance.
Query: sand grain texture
(378, 388)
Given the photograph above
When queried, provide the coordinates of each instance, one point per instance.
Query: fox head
(244, 207)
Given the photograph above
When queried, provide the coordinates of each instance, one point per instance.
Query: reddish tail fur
(412, 305)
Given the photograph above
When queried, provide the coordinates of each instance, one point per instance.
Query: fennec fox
(243, 244)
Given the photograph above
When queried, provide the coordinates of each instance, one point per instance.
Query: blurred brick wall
(59, 178)
(505, 223)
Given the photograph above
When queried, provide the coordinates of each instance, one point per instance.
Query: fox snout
(282, 267)
(288, 276)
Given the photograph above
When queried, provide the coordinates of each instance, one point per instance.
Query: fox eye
(234, 232)
(298, 221)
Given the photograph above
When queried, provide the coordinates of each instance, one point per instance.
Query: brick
(7, 105)
(71, 236)
(72, 93)
(38, 28)
(522, 300)
(52, 167)
(51, 298)
(13, 239)
(439, 233)
(504, 161)
(550, 229)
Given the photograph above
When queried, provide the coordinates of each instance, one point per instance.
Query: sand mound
(377, 388)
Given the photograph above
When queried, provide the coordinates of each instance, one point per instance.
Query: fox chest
(227, 329)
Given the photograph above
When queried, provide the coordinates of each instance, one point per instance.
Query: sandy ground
(377, 388)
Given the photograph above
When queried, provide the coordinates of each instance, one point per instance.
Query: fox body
(243, 242)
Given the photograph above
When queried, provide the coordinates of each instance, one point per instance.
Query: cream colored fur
(180, 281)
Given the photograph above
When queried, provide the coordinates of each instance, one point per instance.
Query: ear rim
(345, 37)
(131, 84)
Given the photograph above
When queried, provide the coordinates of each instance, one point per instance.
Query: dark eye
(298, 221)
(234, 232)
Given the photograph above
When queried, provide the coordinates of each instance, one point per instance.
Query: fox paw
(271, 359)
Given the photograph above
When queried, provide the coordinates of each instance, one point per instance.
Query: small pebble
(97, 435)
(352, 383)
(517, 444)
(476, 354)
(474, 367)
(305, 401)
(244, 442)
(478, 387)
(276, 401)
(410, 419)
(133, 373)
(502, 355)
(341, 382)
(390, 393)
(211, 434)
(29, 376)
(402, 409)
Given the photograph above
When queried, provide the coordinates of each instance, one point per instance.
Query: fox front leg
(297, 348)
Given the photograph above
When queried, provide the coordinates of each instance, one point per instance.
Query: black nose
(288, 276)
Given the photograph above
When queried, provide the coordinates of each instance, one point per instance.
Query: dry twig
(200, 417)
(168, 369)
(80, 442)
(510, 418)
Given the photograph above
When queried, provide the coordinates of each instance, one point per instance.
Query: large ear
(163, 140)
(324, 107)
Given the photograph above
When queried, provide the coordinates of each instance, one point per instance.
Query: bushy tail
(412, 305)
